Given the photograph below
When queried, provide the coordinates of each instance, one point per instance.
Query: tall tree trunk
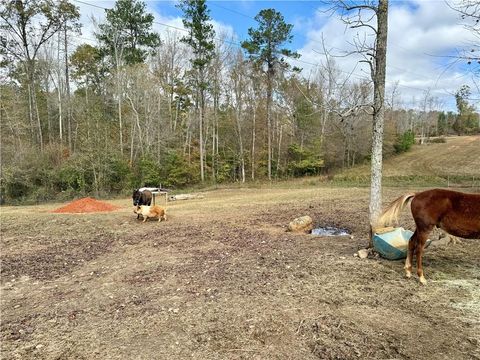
(119, 109)
(240, 141)
(49, 112)
(67, 92)
(118, 63)
(253, 142)
(269, 122)
(375, 207)
(60, 112)
(37, 112)
(202, 108)
(279, 149)
(30, 111)
(33, 103)
(214, 134)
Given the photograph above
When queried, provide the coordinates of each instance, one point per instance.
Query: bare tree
(239, 83)
(361, 15)
(28, 25)
(469, 11)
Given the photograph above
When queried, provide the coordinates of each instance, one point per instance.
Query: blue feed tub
(393, 245)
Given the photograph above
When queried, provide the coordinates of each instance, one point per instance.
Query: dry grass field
(459, 156)
(221, 279)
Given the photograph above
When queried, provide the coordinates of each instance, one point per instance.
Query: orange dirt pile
(86, 205)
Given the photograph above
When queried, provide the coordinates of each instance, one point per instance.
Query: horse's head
(136, 197)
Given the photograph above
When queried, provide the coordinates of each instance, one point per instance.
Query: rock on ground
(301, 224)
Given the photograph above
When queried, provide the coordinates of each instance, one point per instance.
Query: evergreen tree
(126, 39)
(442, 123)
(265, 49)
(128, 27)
(200, 39)
(467, 120)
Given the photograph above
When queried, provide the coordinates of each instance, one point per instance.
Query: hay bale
(301, 224)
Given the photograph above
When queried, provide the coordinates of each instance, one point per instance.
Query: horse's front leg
(408, 261)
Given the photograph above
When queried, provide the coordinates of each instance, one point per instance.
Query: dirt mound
(86, 205)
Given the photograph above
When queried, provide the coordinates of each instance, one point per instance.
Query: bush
(224, 172)
(26, 175)
(148, 173)
(404, 142)
(117, 173)
(438, 140)
(303, 162)
(178, 172)
(72, 177)
(16, 185)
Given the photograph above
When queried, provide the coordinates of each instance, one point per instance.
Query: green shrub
(178, 172)
(72, 177)
(117, 173)
(303, 162)
(16, 184)
(224, 172)
(148, 172)
(404, 142)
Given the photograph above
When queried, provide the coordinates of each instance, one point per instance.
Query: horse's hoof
(422, 280)
(408, 274)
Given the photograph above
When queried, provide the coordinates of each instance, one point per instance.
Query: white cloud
(88, 15)
(162, 23)
(420, 36)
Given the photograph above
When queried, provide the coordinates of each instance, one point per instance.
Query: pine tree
(200, 39)
(126, 38)
(128, 26)
(265, 49)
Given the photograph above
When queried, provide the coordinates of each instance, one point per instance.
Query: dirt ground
(221, 279)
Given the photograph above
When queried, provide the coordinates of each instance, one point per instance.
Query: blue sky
(421, 34)
(240, 14)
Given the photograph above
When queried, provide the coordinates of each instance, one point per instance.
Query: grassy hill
(456, 162)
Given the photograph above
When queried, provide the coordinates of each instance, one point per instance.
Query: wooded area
(186, 107)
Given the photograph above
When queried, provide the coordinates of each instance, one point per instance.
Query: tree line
(137, 108)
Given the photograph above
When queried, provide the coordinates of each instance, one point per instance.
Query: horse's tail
(391, 212)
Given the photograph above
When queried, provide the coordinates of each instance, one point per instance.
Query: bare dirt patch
(221, 279)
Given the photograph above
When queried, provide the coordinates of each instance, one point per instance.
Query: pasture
(221, 279)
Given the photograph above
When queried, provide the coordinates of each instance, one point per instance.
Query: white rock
(363, 253)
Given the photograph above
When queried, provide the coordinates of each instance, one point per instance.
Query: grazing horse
(455, 212)
(141, 198)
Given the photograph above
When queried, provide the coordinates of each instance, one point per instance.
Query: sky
(422, 34)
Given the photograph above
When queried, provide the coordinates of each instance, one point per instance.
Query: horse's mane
(390, 214)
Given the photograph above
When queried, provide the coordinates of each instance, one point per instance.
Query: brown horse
(456, 213)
